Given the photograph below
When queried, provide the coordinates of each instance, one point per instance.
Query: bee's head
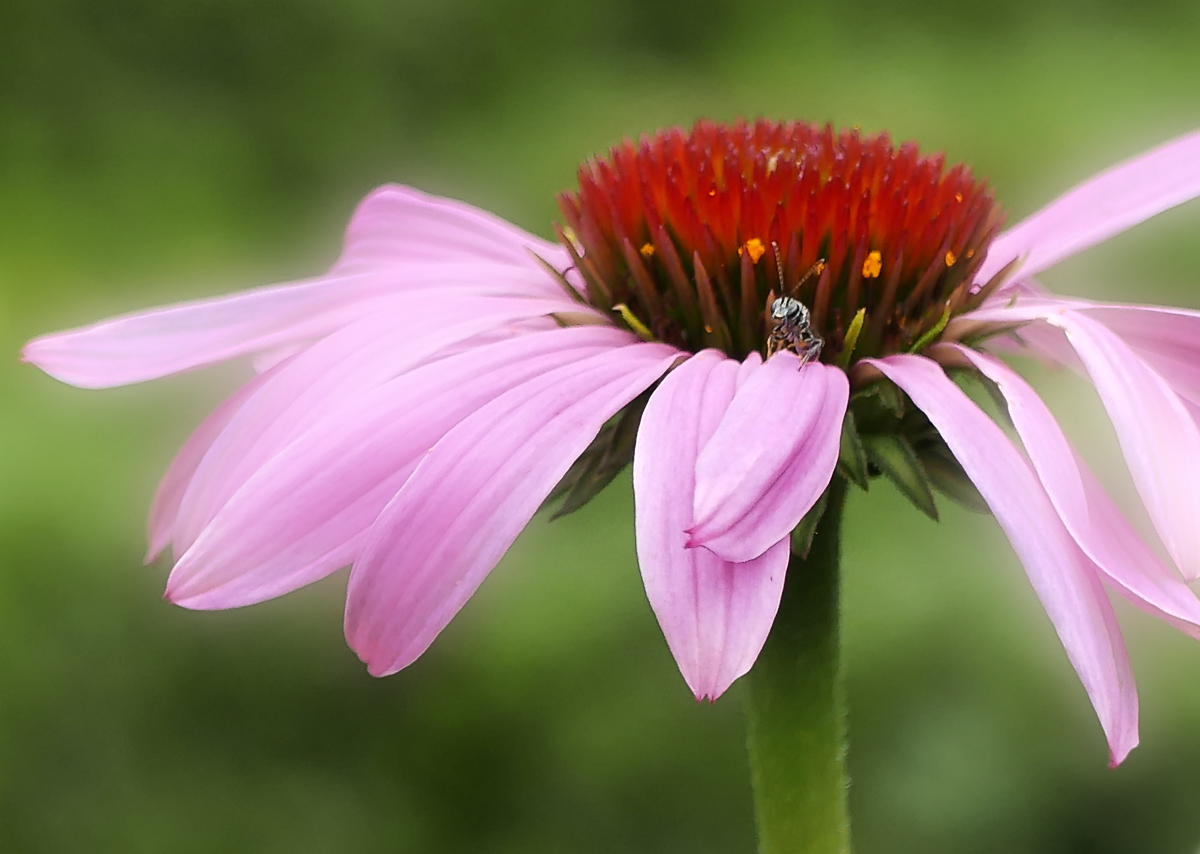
(790, 310)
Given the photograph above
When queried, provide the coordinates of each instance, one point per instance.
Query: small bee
(790, 322)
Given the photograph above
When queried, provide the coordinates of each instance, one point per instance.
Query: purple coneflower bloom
(415, 406)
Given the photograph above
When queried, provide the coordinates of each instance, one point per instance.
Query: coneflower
(418, 404)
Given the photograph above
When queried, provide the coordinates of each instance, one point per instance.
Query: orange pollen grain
(647, 250)
(872, 265)
(756, 249)
(950, 259)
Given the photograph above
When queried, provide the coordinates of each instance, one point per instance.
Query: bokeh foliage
(152, 151)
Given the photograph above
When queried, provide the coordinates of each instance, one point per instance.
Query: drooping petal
(770, 458)
(164, 509)
(1047, 447)
(472, 495)
(1158, 436)
(1157, 430)
(402, 225)
(305, 512)
(1024, 305)
(1092, 518)
(1101, 207)
(1132, 567)
(1167, 339)
(1163, 335)
(322, 381)
(1047, 343)
(715, 614)
(1061, 574)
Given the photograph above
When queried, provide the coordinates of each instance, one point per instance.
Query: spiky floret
(675, 232)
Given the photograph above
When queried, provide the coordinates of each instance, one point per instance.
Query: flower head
(414, 407)
(697, 233)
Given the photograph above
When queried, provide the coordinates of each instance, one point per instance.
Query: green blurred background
(152, 151)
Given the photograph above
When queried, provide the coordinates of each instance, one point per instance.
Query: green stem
(796, 706)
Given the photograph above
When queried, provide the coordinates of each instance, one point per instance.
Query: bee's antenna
(779, 267)
(814, 270)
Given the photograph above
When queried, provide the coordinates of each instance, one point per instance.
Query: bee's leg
(810, 352)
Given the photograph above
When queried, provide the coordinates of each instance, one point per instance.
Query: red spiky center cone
(679, 233)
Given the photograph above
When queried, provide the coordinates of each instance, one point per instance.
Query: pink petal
(1063, 577)
(748, 367)
(1132, 567)
(306, 511)
(1034, 336)
(1165, 329)
(1163, 334)
(770, 458)
(1157, 434)
(321, 381)
(399, 241)
(1047, 447)
(164, 509)
(715, 614)
(402, 225)
(1167, 339)
(1099, 528)
(1101, 207)
(1023, 310)
(1157, 431)
(162, 341)
(472, 495)
(268, 359)
(150, 344)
